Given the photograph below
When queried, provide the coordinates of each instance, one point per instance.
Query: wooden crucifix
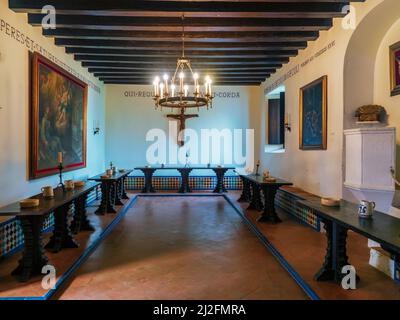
(182, 117)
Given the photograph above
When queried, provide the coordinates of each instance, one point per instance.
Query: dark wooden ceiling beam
(170, 50)
(222, 64)
(161, 70)
(200, 36)
(194, 61)
(145, 45)
(225, 83)
(216, 80)
(143, 73)
(213, 77)
(175, 23)
(267, 9)
(190, 54)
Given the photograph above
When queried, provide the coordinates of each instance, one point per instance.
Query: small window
(276, 120)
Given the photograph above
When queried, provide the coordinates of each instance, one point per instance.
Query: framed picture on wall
(313, 115)
(395, 69)
(57, 118)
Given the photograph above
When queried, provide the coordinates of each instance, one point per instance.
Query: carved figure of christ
(182, 117)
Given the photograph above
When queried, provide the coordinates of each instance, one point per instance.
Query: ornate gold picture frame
(57, 119)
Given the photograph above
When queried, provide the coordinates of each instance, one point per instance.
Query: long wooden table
(185, 172)
(252, 187)
(32, 219)
(382, 228)
(112, 191)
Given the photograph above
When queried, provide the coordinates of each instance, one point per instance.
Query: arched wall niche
(360, 58)
(363, 61)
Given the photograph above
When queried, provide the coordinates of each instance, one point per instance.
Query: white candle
(172, 90)
(181, 76)
(60, 157)
(166, 83)
(161, 90)
(209, 87)
(207, 80)
(195, 77)
(156, 81)
(186, 88)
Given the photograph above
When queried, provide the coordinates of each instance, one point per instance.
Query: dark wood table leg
(105, 205)
(117, 193)
(246, 193)
(396, 259)
(184, 187)
(269, 214)
(148, 180)
(123, 190)
(255, 203)
(61, 237)
(336, 254)
(220, 186)
(81, 221)
(33, 257)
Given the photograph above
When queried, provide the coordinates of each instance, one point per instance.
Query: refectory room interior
(200, 150)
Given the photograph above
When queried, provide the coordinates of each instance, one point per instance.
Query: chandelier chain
(183, 35)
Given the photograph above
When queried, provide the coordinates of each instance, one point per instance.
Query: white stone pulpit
(369, 154)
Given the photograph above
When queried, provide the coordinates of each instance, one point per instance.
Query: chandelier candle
(166, 83)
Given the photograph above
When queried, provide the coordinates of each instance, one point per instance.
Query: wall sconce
(287, 124)
(96, 127)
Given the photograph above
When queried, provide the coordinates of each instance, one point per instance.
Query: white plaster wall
(14, 103)
(319, 172)
(382, 82)
(129, 118)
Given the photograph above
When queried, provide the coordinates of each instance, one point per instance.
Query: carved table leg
(80, 221)
(220, 186)
(255, 202)
(61, 237)
(123, 190)
(246, 193)
(269, 213)
(336, 255)
(148, 181)
(184, 187)
(33, 258)
(105, 205)
(117, 190)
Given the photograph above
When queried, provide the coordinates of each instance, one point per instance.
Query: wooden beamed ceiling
(238, 42)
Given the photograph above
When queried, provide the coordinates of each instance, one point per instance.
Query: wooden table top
(260, 180)
(382, 227)
(183, 167)
(47, 205)
(116, 176)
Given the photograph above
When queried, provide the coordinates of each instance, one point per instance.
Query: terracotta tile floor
(181, 248)
(304, 249)
(199, 248)
(62, 261)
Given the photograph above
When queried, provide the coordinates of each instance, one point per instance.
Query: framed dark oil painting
(395, 69)
(57, 119)
(313, 115)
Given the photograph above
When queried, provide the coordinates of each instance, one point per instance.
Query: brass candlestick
(257, 168)
(60, 170)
